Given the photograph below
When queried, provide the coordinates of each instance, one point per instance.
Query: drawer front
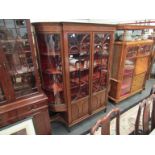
(7, 116)
(31, 108)
(138, 82)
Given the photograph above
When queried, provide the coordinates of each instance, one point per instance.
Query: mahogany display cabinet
(131, 61)
(20, 90)
(75, 62)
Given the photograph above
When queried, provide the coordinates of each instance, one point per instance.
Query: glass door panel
(18, 56)
(101, 56)
(129, 67)
(79, 60)
(51, 64)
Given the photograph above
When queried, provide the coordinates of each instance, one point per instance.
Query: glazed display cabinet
(131, 61)
(20, 91)
(74, 60)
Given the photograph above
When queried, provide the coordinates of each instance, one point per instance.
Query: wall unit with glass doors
(20, 92)
(131, 61)
(75, 67)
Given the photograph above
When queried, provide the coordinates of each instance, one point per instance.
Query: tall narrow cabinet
(75, 61)
(21, 96)
(131, 61)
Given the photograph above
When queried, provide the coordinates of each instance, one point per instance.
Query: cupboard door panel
(79, 64)
(101, 58)
(79, 109)
(137, 83)
(141, 65)
(128, 72)
(17, 56)
(98, 100)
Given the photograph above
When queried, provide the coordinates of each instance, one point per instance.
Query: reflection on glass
(145, 50)
(20, 23)
(79, 58)
(128, 70)
(101, 55)
(1, 22)
(9, 23)
(2, 98)
(23, 33)
(50, 55)
(18, 59)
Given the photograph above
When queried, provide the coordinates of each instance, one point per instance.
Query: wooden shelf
(50, 54)
(51, 71)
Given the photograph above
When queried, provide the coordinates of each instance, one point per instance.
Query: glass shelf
(18, 57)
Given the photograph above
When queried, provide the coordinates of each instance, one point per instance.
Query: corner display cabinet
(75, 67)
(131, 61)
(20, 93)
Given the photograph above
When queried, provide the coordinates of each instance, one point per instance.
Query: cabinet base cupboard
(75, 62)
(131, 61)
(20, 93)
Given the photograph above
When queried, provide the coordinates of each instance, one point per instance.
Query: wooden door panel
(138, 82)
(141, 65)
(98, 100)
(79, 109)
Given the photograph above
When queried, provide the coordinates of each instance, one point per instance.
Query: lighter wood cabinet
(131, 63)
(75, 62)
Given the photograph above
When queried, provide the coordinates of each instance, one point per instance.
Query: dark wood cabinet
(20, 91)
(75, 62)
(131, 61)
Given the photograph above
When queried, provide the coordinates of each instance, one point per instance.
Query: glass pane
(18, 61)
(2, 98)
(23, 33)
(145, 50)
(101, 56)
(1, 22)
(50, 57)
(79, 58)
(9, 23)
(128, 70)
(20, 23)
